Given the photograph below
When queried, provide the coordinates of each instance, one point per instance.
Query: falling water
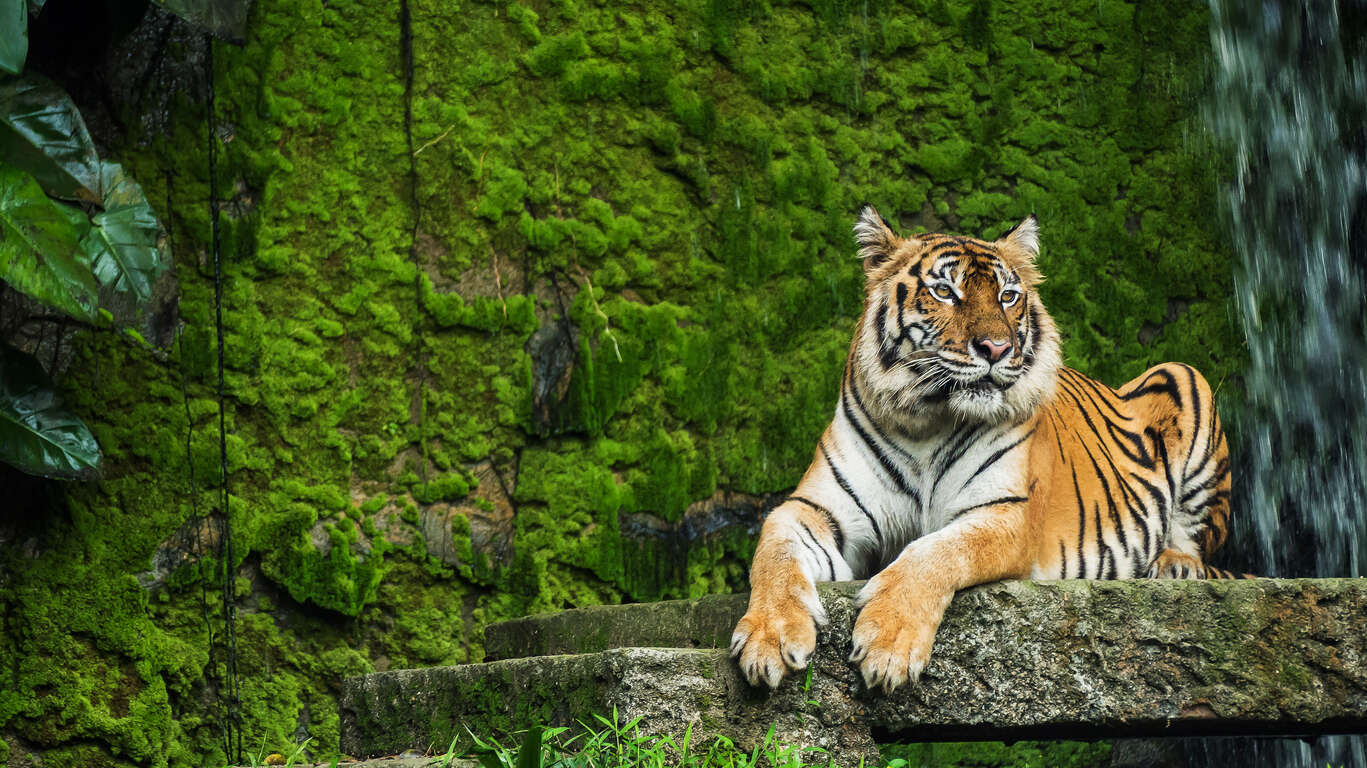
(1290, 101)
(1289, 104)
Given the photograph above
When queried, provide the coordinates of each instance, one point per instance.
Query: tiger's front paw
(777, 633)
(895, 631)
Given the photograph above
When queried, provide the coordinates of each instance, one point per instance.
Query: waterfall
(1290, 104)
(1288, 108)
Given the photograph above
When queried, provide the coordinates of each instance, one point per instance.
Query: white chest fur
(888, 486)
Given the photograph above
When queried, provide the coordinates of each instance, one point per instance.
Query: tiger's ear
(1020, 245)
(877, 242)
(1023, 237)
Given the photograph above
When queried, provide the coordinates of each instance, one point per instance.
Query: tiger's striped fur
(962, 451)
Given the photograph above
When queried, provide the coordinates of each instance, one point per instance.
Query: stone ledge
(1019, 659)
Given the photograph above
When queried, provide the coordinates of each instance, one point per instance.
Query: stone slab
(1019, 659)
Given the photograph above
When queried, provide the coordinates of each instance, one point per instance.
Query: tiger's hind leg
(1197, 458)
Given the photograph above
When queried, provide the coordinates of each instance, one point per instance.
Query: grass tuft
(614, 744)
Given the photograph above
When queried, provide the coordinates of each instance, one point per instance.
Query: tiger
(963, 451)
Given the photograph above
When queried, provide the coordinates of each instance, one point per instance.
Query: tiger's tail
(1211, 572)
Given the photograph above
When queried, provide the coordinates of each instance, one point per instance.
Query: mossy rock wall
(530, 305)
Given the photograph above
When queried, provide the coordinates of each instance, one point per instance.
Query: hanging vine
(230, 694)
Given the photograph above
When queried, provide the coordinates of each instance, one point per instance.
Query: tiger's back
(1132, 482)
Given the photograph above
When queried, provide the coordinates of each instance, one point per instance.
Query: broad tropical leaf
(41, 132)
(122, 244)
(37, 435)
(13, 35)
(40, 247)
(225, 18)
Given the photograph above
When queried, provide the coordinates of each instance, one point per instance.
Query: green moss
(553, 54)
(450, 487)
(1023, 754)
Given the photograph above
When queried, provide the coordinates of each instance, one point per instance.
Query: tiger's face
(953, 324)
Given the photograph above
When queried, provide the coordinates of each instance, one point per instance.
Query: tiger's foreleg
(901, 607)
(797, 548)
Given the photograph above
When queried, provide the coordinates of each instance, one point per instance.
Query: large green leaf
(40, 247)
(122, 244)
(13, 35)
(225, 18)
(37, 435)
(41, 132)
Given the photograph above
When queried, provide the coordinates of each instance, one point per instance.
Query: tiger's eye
(1009, 297)
(942, 291)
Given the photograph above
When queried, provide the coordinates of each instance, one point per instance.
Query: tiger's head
(953, 326)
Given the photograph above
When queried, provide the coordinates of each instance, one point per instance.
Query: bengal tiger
(962, 451)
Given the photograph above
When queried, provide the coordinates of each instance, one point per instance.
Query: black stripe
(1169, 387)
(1212, 432)
(1162, 450)
(1070, 390)
(809, 548)
(1161, 504)
(887, 354)
(1081, 527)
(953, 449)
(1216, 474)
(1101, 441)
(845, 486)
(1196, 416)
(945, 248)
(1187, 497)
(1111, 510)
(901, 303)
(1082, 387)
(1137, 513)
(1058, 441)
(836, 533)
(829, 562)
(994, 457)
(914, 460)
(1002, 500)
(889, 467)
(1093, 391)
(1102, 392)
(1028, 356)
(1102, 546)
(1063, 561)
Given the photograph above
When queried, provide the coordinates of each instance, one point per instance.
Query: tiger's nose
(992, 349)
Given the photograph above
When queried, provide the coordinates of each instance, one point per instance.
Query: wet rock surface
(1012, 660)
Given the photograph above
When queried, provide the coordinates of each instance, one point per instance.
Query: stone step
(1012, 660)
(703, 623)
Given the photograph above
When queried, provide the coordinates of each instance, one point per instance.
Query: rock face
(1012, 660)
